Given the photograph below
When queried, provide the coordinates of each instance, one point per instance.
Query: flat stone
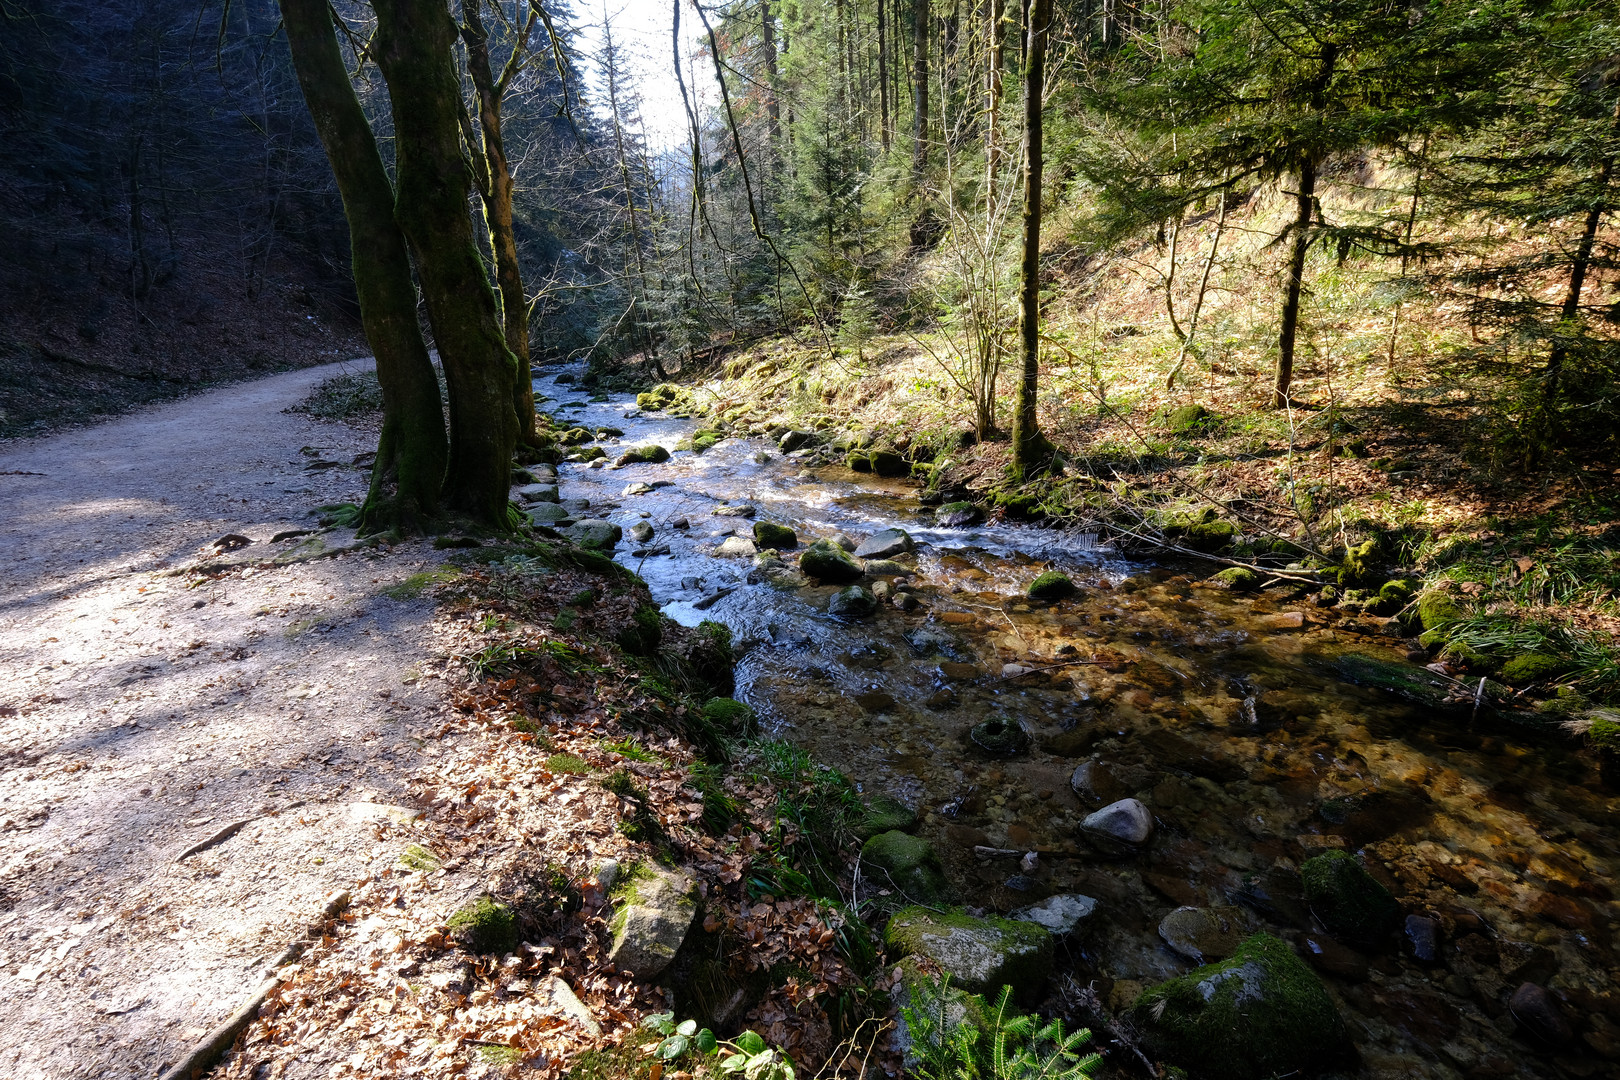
(980, 955)
(887, 568)
(1203, 934)
(637, 489)
(742, 511)
(1125, 823)
(595, 533)
(737, 547)
(1062, 914)
(885, 545)
(538, 493)
(547, 513)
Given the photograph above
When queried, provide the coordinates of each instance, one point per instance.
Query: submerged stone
(979, 955)
(827, 562)
(853, 602)
(1417, 685)
(1349, 901)
(1120, 826)
(1259, 1014)
(1203, 934)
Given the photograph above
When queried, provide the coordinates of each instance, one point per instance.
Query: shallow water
(1505, 839)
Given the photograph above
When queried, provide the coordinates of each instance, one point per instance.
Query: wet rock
(853, 602)
(1335, 959)
(941, 699)
(1203, 934)
(979, 955)
(643, 455)
(742, 510)
(955, 515)
(827, 562)
(795, 440)
(1124, 825)
(876, 701)
(608, 433)
(907, 865)
(1051, 586)
(1420, 937)
(768, 534)
(1524, 960)
(595, 533)
(549, 514)
(641, 532)
(889, 464)
(885, 545)
(1171, 751)
(1565, 911)
(1094, 785)
(843, 540)
(632, 490)
(538, 493)
(887, 568)
(1000, 736)
(1260, 1013)
(885, 813)
(1237, 579)
(736, 547)
(1062, 915)
(906, 602)
(1349, 901)
(1537, 1013)
(882, 590)
(654, 910)
(574, 437)
(680, 523)
(1414, 684)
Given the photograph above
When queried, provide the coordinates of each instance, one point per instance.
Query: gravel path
(144, 708)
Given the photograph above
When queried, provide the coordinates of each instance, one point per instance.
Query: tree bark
(767, 37)
(883, 76)
(413, 47)
(1031, 450)
(995, 61)
(411, 451)
(1305, 199)
(919, 126)
(496, 195)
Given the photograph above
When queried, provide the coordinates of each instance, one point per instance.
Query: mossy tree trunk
(413, 47)
(411, 451)
(494, 174)
(1031, 450)
(1305, 200)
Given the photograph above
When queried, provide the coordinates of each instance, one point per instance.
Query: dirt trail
(143, 711)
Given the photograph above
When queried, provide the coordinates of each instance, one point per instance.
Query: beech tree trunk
(413, 47)
(411, 451)
(1031, 450)
(1305, 199)
(496, 191)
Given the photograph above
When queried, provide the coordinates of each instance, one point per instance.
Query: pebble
(1538, 1013)
(1421, 938)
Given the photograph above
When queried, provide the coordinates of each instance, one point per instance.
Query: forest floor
(151, 699)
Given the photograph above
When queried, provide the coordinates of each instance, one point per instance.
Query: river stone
(979, 955)
(1052, 586)
(651, 455)
(853, 602)
(885, 544)
(955, 515)
(1537, 1013)
(538, 493)
(1203, 934)
(885, 813)
(887, 568)
(636, 489)
(888, 464)
(906, 602)
(742, 510)
(1259, 1014)
(548, 513)
(655, 909)
(795, 440)
(1094, 785)
(595, 533)
(1126, 824)
(768, 534)
(843, 540)
(641, 532)
(1349, 901)
(736, 547)
(827, 562)
(1061, 914)
(908, 865)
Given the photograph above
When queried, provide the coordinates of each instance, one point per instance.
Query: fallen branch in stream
(1065, 664)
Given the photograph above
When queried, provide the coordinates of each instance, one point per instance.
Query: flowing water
(1502, 840)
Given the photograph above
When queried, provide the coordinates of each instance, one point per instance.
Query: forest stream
(1004, 723)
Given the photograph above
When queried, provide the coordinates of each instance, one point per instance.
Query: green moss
(1261, 1013)
(1464, 653)
(1349, 901)
(1016, 504)
(1436, 610)
(1528, 668)
(859, 462)
(885, 813)
(1362, 564)
(419, 857)
(500, 1056)
(729, 715)
(1051, 586)
(645, 632)
(1237, 578)
(908, 865)
(571, 764)
(1209, 536)
(888, 463)
(647, 455)
(1403, 680)
(1184, 419)
(702, 441)
(416, 584)
(979, 954)
(827, 562)
(768, 534)
(575, 437)
(1604, 734)
(484, 926)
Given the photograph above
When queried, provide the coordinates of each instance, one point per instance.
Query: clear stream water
(1505, 840)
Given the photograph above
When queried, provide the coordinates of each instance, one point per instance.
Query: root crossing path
(159, 691)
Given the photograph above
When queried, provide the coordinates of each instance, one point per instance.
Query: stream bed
(1500, 841)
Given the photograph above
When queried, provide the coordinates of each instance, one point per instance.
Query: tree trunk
(413, 47)
(1304, 202)
(767, 38)
(883, 76)
(995, 54)
(411, 451)
(1031, 450)
(496, 192)
(919, 126)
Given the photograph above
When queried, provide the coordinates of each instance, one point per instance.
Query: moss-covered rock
(768, 534)
(885, 813)
(1349, 901)
(574, 437)
(1209, 536)
(729, 715)
(643, 455)
(958, 515)
(909, 866)
(827, 562)
(1018, 504)
(1437, 610)
(702, 441)
(888, 463)
(484, 925)
(1236, 578)
(1362, 564)
(1051, 586)
(852, 602)
(1260, 1014)
(979, 955)
(1604, 732)
(1528, 668)
(860, 462)
(1184, 419)
(1415, 684)
(653, 911)
(663, 396)
(645, 632)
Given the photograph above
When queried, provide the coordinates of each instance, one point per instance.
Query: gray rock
(958, 514)
(1126, 823)
(795, 440)
(853, 602)
(641, 532)
(595, 533)
(549, 514)
(980, 955)
(742, 511)
(565, 1001)
(1538, 1013)
(885, 544)
(1203, 934)
(538, 493)
(887, 568)
(655, 908)
(736, 547)
(906, 602)
(1062, 914)
(882, 590)
(843, 540)
(637, 489)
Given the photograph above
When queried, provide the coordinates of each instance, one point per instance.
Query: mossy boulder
(1350, 902)
(955, 515)
(852, 602)
(1437, 610)
(908, 865)
(662, 396)
(1051, 586)
(888, 463)
(1210, 536)
(484, 925)
(827, 562)
(768, 534)
(885, 813)
(1362, 564)
(643, 455)
(1185, 419)
(702, 441)
(1237, 579)
(654, 908)
(729, 715)
(596, 534)
(1259, 1014)
(1528, 668)
(860, 462)
(575, 437)
(1018, 504)
(1604, 732)
(979, 955)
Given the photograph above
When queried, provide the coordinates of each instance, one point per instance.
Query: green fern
(1002, 1046)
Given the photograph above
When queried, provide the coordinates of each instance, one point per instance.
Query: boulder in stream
(736, 547)
(1062, 915)
(1121, 826)
(547, 513)
(829, 563)
(908, 865)
(955, 515)
(654, 909)
(1349, 901)
(538, 493)
(768, 534)
(980, 955)
(641, 532)
(1259, 1014)
(795, 440)
(1237, 579)
(885, 813)
(889, 464)
(887, 568)
(595, 533)
(643, 455)
(1051, 586)
(885, 545)
(852, 602)
(1417, 685)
